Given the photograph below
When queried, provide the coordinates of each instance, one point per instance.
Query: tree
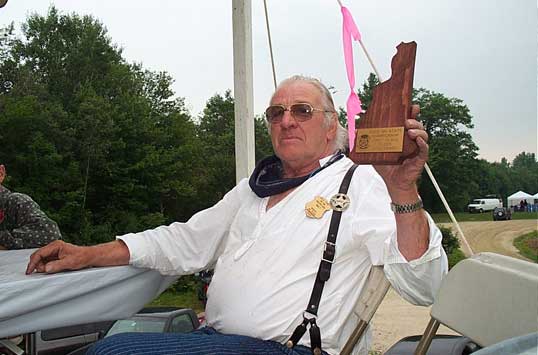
(452, 150)
(101, 144)
(524, 173)
(217, 132)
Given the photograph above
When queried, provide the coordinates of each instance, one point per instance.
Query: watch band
(406, 208)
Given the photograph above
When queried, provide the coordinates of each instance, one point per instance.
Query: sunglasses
(301, 112)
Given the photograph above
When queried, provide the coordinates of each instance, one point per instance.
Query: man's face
(2, 173)
(301, 143)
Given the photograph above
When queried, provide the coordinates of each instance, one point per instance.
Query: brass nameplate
(379, 140)
(317, 207)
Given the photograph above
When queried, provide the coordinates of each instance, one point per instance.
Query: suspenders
(324, 272)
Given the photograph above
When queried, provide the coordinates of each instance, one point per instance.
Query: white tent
(515, 199)
(535, 197)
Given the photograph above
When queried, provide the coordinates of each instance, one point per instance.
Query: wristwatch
(406, 208)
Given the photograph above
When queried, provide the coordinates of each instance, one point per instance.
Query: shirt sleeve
(419, 280)
(416, 281)
(186, 248)
(32, 228)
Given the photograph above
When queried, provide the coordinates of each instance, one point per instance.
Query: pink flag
(353, 105)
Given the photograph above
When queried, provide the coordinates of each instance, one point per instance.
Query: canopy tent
(515, 199)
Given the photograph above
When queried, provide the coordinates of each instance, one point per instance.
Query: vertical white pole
(243, 90)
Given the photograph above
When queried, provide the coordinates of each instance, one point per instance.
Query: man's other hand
(59, 256)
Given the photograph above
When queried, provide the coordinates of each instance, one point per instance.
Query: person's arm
(33, 229)
(177, 249)
(59, 255)
(413, 258)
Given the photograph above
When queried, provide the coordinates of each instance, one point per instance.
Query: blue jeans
(204, 341)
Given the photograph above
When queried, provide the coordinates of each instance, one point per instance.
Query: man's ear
(331, 132)
(2, 173)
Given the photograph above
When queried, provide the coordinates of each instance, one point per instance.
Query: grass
(478, 217)
(187, 299)
(527, 245)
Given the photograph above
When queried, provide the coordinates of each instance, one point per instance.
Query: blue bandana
(267, 180)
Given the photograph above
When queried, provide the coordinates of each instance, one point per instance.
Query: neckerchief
(267, 180)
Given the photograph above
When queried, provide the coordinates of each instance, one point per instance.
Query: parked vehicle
(172, 321)
(152, 320)
(60, 341)
(484, 204)
(502, 213)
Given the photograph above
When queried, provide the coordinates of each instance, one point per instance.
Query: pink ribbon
(349, 31)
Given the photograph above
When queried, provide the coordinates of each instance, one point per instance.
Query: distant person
(22, 223)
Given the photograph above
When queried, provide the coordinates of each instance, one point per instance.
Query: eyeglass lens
(301, 112)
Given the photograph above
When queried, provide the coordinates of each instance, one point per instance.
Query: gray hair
(340, 141)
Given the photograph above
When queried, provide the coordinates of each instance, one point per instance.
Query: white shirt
(266, 261)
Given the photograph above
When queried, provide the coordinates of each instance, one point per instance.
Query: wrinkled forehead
(296, 91)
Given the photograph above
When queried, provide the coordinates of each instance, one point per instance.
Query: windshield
(153, 325)
(476, 202)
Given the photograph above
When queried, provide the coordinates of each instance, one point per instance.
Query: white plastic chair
(488, 298)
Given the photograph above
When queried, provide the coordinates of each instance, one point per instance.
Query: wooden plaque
(380, 137)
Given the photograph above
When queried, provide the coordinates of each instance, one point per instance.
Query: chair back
(489, 298)
(373, 292)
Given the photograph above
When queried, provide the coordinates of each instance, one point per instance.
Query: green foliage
(452, 150)
(366, 93)
(100, 143)
(527, 245)
(451, 245)
(174, 299)
(185, 283)
(455, 257)
(450, 241)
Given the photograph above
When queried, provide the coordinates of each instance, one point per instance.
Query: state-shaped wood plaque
(380, 137)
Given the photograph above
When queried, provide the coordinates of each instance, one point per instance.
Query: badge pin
(340, 202)
(317, 207)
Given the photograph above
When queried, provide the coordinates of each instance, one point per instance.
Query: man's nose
(287, 119)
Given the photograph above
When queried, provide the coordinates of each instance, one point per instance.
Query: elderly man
(267, 236)
(22, 223)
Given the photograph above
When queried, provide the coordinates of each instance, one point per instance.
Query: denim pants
(204, 341)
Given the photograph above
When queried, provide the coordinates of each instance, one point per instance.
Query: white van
(484, 204)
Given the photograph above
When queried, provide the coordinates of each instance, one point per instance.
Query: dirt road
(396, 318)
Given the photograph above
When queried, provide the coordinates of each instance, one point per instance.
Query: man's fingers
(58, 265)
(40, 257)
(413, 124)
(423, 149)
(416, 133)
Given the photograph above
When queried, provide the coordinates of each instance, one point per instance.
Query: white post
(243, 91)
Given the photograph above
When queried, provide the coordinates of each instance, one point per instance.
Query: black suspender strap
(324, 272)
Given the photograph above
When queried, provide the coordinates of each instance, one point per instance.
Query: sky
(481, 51)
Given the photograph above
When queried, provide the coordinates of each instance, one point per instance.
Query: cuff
(137, 249)
(394, 256)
